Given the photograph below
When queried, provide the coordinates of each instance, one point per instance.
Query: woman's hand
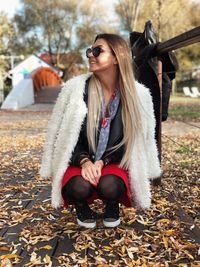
(90, 172)
(99, 165)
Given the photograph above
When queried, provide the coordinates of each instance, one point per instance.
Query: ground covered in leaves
(33, 234)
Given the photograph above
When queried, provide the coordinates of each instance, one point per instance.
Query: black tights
(109, 188)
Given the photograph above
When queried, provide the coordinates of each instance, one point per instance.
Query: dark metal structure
(151, 50)
(182, 40)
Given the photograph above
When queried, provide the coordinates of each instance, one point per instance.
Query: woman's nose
(90, 54)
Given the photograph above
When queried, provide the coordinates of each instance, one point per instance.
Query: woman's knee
(111, 187)
(77, 188)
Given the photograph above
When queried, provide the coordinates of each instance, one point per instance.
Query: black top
(82, 149)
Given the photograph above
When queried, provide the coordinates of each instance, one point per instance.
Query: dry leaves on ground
(33, 234)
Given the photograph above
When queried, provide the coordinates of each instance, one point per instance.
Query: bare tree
(128, 11)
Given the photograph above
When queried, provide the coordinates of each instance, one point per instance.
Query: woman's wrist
(83, 161)
(100, 162)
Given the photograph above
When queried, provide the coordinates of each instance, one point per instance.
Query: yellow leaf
(165, 241)
(169, 232)
(137, 261)
(9, 256)
(107, 234)
(188, 254)
(123, 249)
(65, 211)
(47, 259)
(6, 263)
(164, 221)
(107, 247)
(46, 247)
(131, 221)
(148, 235)
(70, 223)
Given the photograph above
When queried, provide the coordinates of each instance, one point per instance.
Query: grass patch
(184, 108)
(185, 164)
(184, 112)
(184, 100)
(184, 150)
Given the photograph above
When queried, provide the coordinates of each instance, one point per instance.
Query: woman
(100, 141)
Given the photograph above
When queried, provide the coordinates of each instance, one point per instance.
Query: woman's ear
(115, 61)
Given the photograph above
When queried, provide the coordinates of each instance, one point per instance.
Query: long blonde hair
(131, 116)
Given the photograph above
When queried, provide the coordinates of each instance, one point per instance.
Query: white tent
(26, 67)
(22, 95)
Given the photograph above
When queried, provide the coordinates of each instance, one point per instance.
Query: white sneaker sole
(112, 224)
(86, 224)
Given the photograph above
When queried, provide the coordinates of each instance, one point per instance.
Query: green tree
(46, 25)
(6, 33)
(59, 28)
(190, 55)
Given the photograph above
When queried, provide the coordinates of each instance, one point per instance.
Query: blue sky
(10, 6)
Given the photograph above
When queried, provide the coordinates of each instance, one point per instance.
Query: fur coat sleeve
(145, 163)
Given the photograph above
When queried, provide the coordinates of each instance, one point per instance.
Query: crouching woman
(100, 140)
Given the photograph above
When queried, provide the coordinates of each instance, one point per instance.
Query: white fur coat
(63, 132)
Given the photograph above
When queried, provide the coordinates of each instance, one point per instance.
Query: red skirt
(109, 169)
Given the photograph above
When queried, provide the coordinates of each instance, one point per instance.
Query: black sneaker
(85, 216)
(111, 215)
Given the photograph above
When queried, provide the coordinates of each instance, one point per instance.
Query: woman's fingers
(91, 174)
(98, 171)
(99, 166)
(88, 172)
(83, 174)
(87, 178)
(92, 171)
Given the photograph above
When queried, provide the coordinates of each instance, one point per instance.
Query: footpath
(174, 128)
(34, 234)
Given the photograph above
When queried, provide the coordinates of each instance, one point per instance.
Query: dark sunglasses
(96, 51)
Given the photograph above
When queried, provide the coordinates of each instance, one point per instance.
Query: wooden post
(1, 89)
(173, 87)
(160, 124)
(157, 181)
